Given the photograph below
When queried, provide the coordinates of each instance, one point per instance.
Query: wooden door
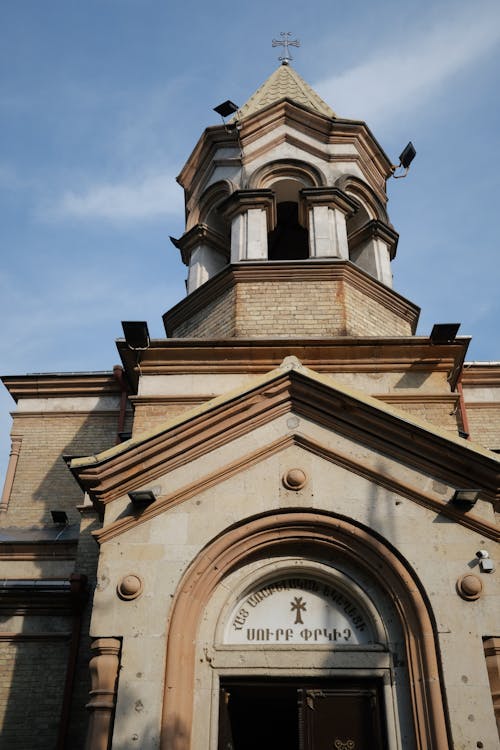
(340, 719)
(288, 715)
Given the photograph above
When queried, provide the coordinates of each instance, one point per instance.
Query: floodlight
(405, 159)
(136, 333)
(465, 499)
(226, 108)
(142, 498)
(407, 155)
(59, 517)
(444, 333)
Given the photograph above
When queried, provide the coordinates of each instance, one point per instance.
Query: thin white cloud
(403, 76)
(145, 198)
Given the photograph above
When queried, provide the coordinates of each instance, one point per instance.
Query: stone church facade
(278, 526)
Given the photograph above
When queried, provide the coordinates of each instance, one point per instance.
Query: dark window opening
(319, 715)
(288, 240)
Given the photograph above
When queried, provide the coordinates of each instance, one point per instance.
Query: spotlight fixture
(136, 333)
(444, 333)
(140, 499)
(465, 499)
(407, 155)
(405, 159)
(226, 108)
(59, 517)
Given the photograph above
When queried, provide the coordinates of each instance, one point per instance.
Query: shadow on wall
(37, 635)
(142, 731)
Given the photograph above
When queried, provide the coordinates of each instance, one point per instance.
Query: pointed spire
(285, 83)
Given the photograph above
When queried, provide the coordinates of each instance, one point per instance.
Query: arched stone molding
(291, 533)
(371, 239)
(205, 246)
(207, 207)
(287, 179)
(364, 194)
(301, 172)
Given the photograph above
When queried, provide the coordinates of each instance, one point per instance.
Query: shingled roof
(285, 83)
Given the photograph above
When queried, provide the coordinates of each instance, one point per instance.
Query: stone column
(204, 251)
(251, 213)
(372, 247)
(328, 209)
(15, 449)
(103, 665)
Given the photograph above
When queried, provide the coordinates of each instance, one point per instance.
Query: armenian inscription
(298, 611)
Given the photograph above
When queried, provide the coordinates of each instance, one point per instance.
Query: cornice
(324, 129)
(308, 270)
(331, 197)
(481, 374)
(325, 355)
(242, 200)
(418, 398)
(56, 385)
(160, 399)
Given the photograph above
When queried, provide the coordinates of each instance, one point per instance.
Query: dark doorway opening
(292, 715)
(288, 240)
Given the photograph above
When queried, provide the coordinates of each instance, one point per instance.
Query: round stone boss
(469, 587)
(294, 479)
(130, 587)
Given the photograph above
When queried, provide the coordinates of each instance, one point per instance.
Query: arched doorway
(201, 659)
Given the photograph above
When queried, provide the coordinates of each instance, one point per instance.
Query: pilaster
(372, 247)
(103, 665)
(328, 209)
(251, 213)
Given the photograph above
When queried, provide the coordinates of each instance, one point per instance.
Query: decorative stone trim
(319, 534)
(243, 200)
(469, 587)
(130, 587)
(200, 234)
(329, 196)
(103, 665)
(294, 479)
(376, 230)
(15, 449)
(56, 386)
(431, 500)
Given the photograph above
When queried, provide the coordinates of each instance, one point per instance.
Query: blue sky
(101, 102)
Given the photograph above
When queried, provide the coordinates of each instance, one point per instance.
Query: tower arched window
(289, 239)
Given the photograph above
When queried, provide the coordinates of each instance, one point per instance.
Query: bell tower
(287, 231)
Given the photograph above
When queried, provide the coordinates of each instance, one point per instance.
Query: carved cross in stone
(286, 43)
(299, 606)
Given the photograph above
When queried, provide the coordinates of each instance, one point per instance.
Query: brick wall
(484, 424)
(31, 692)
(215, 320)
(42, 481)
(269, 308)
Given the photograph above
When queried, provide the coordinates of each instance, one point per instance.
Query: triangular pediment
(292, 389)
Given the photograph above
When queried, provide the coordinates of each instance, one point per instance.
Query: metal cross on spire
(286, 43)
